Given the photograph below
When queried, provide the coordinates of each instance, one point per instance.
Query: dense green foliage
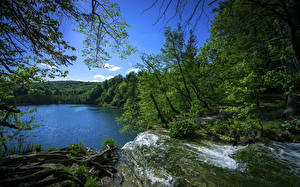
(248, 69)
(116, 91)
(182, 129)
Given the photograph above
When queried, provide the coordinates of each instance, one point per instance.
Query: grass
(78, 147)
(20, 149)
(108, 141)
(81, 172)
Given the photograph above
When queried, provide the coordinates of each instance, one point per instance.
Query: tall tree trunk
(293, 63)
(289, 15)
(183, 94)
(291, 105)
(199, 98)
(165, 94)
(163, 89)
(184, 81)
(159, 113)
(3, 144)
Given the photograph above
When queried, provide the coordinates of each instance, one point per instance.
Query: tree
(287, 12)
(284, 11)
(33, 47)
(188, 13)
(171, 84)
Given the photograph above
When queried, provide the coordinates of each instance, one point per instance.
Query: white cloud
(107, 65)
(133, 70)
(93, 81)
(49, 66)
(103, 77)
(115, 68)
(111, 67)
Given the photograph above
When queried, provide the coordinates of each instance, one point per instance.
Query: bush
(91, 182)
(181, 129)
(81, 173)
(38, 147)
(292, 125)
(78, 147)
(108, 141)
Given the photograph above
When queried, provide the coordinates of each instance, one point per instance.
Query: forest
(241, 87)
(113, 92)
(53, 92)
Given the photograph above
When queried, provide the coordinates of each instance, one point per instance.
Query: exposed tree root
(45, 168)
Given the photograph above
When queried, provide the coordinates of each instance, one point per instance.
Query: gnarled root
(41, 169)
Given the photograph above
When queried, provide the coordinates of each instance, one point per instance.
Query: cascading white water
(288, 153)
(217, 155)
(159, 160)
(147, 143)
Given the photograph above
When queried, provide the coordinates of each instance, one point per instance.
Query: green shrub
(78, 147)
(292, 125)
(81, 173)
(182, 129)
(38, 147)
(52, 149)
(108, 141)
(91, 182)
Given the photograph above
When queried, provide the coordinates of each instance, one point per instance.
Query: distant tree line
(113, 92)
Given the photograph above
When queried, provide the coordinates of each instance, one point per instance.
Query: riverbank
(155, 159)
(210, 128)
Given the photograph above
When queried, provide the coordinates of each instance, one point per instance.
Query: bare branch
(6, 124)
(9, 109)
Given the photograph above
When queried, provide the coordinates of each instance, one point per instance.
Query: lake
(65, 124)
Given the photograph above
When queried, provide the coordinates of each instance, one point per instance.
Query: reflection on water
(66, 124)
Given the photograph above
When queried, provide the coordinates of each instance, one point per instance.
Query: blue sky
(143, 34)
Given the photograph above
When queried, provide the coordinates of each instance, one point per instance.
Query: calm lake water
(67, 124)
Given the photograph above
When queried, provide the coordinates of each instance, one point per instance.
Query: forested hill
(113, 92)
(54, 92)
